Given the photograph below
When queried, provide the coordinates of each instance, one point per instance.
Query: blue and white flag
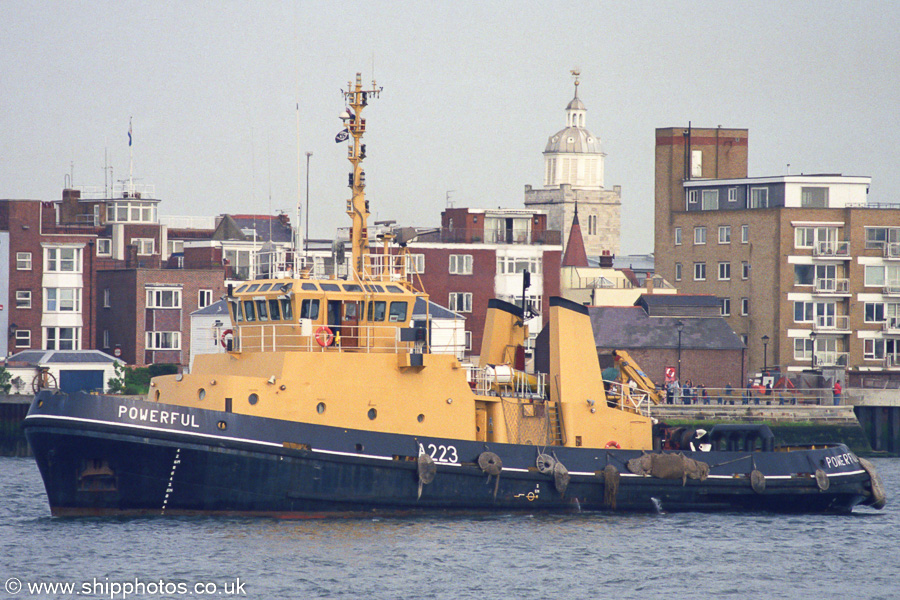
(342, 136)
(129, 132)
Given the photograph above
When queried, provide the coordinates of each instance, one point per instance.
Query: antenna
(449, 201)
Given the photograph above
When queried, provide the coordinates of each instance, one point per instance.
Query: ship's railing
(503, 380)
(756, 395)
(628, 398)
(308, 337)
(393, 267)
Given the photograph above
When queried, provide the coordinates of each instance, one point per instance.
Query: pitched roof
(575, 255)
(435, 310)
(628, 327)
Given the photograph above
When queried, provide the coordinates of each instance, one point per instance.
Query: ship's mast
(357, 207)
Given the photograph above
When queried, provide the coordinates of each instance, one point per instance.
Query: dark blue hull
(109, 455)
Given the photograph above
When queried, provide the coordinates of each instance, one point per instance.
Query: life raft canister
(324, 336)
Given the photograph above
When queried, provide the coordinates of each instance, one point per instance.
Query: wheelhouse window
(309, 309)
(398, 312)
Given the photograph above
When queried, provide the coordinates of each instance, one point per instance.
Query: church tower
(574, 173)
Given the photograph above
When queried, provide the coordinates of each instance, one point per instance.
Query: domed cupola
(573, 155)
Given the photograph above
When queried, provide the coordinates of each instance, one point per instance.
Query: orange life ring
(226, 333)
(613, 444)
(324, 336)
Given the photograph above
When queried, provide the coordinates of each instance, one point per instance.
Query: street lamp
(812, 336)
(679, 326)
(765, 341)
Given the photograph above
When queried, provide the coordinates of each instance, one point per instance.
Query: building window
(461, 301)
(131, 212)
(803, 349)
(745, 234)
(814, 197)
(518, 264)
(678, 236)
(145, 246)
(874, 312)
(106, 298)
(23, 261)
(106, 338)
(460, 264)
(62, 260)
(163, 340)
(874, 276)
(804, 237)
(23, 338)
(104, 247)
(163, 298)
(693, 197)
(699, 236)
(62, 299)
(175, 247)
(803, 274)
(677, 271)
(204, 298)
(710, 200)
(803, 312)
(700, 271)
(759, 198)
(745, 269)
(416, 264)
(23, 298)
(468, 341)
(744, 338)
(726, 306)
(745, 306)
(725, 234)
(724, 271)
(696, 163)
(62, 338)
(732, 195)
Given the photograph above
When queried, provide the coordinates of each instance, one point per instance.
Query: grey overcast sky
(472, 91)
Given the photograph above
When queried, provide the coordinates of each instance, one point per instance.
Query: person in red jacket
(837, 392)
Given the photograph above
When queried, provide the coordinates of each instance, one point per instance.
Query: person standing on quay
(837, 392)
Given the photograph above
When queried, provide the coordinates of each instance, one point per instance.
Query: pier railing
(755, 396)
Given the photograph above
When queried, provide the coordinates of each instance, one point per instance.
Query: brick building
(59, 256)
(806, 269)
(480, 254)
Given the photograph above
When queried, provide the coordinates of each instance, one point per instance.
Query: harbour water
(582, 555)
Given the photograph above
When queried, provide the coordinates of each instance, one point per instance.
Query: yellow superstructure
(346, 353)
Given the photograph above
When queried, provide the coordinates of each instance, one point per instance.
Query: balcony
(891, 325)
(892, 251)
(476, 236)
(836, 250)
(840, 287)
(892, 288)
(830, 359)
(832, 324)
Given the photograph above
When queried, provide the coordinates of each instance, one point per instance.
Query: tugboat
(329, 401)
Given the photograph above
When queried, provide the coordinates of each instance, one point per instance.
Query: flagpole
(130, 161)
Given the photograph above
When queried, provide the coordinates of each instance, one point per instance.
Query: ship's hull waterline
(107, 455)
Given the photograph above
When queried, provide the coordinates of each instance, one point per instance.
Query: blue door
(76, 381)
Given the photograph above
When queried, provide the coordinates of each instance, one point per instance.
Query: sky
(225, 98)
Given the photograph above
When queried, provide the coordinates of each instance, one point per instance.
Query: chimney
(649, 284)
(606, 259)
(131, 261)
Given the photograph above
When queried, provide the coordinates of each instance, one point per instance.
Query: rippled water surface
(505, 556)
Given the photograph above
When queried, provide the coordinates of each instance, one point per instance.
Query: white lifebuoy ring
(225, 334)
(324, 336)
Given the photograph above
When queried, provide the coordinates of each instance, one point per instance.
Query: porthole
(421, 418)
(372, 414)
(320, 407)
(253, 398)
(360, 447)
(222, 425)
(201, 393)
